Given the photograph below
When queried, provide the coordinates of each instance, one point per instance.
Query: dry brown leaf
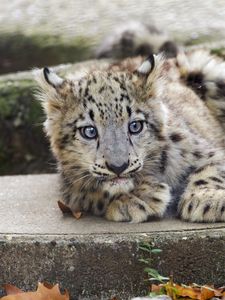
(207, 293)
(44, 292)
(52, 292)
(156, 288)
(11, 289)
(196, 292)
(191, 292)
(77, 215)
(65, 210)
(220, 292)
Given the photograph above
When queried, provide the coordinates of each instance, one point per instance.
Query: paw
(128, 209)
(204, 206)
(156, 195)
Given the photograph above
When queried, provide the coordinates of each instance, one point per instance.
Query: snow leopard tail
(133, 39)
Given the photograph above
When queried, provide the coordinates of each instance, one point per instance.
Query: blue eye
(89, 132)
(135, 127)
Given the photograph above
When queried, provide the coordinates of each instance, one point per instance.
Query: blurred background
(55, 32)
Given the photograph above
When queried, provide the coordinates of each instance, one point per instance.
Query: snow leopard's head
(107, 127)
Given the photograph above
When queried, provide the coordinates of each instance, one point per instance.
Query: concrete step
(91, 257)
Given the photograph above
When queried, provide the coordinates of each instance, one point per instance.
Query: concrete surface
(33, 200)
(94, 258)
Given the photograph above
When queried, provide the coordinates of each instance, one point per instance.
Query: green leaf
(156, 251)
(152, 272)
(162, 278)
(145, 261)
(145, 247)
(153, 294)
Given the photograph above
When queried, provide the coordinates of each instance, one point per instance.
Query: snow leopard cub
(133, 137)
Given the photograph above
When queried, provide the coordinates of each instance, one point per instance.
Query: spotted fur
(131, 137)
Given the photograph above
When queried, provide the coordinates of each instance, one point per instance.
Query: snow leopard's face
(103, 131)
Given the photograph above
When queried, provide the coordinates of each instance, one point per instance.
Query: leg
(204, 197)
(149, 200)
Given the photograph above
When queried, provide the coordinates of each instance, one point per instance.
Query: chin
(118, 185)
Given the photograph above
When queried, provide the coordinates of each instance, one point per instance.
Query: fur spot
(156, 131)
(98, 144)
(163, 162)
(216, 179)
(197, 154)
(221, 88)
(169, 48)
(183, 153)
(151, 218)
(112, 90)
(101, 89)
(100, 205)
(196, 82)
(176, 137)
(190, 206)
(141, 207)
(144, 49)
(156, 199)
(220, 187)
(199, 170)
(222, 209)
(127, 42)
(200, 182)
(65, 139)
(106, 195)
(206, 209)
(91, 114)
(128, 111)
(86, 92)
(211, 154)
(91, 99)
(162, 186)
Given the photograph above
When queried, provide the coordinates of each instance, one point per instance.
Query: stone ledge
(94, 258)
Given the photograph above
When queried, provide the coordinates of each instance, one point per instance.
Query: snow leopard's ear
(47, 80)
(147, 66)
(50, 89)
(52, 78)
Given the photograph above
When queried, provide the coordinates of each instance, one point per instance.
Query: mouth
(119, 181)
(118, 185)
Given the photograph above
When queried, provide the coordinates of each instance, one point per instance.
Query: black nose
(117, 169)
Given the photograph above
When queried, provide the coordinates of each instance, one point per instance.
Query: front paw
(203, 206)
(128, 208)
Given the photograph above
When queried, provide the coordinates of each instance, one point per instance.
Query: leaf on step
(11, 289)
(176, 291)
(156, 287)
(207, 293)
(187, 291)
(77, 215)
(51, 292)
(66, 210)
(44, 291)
